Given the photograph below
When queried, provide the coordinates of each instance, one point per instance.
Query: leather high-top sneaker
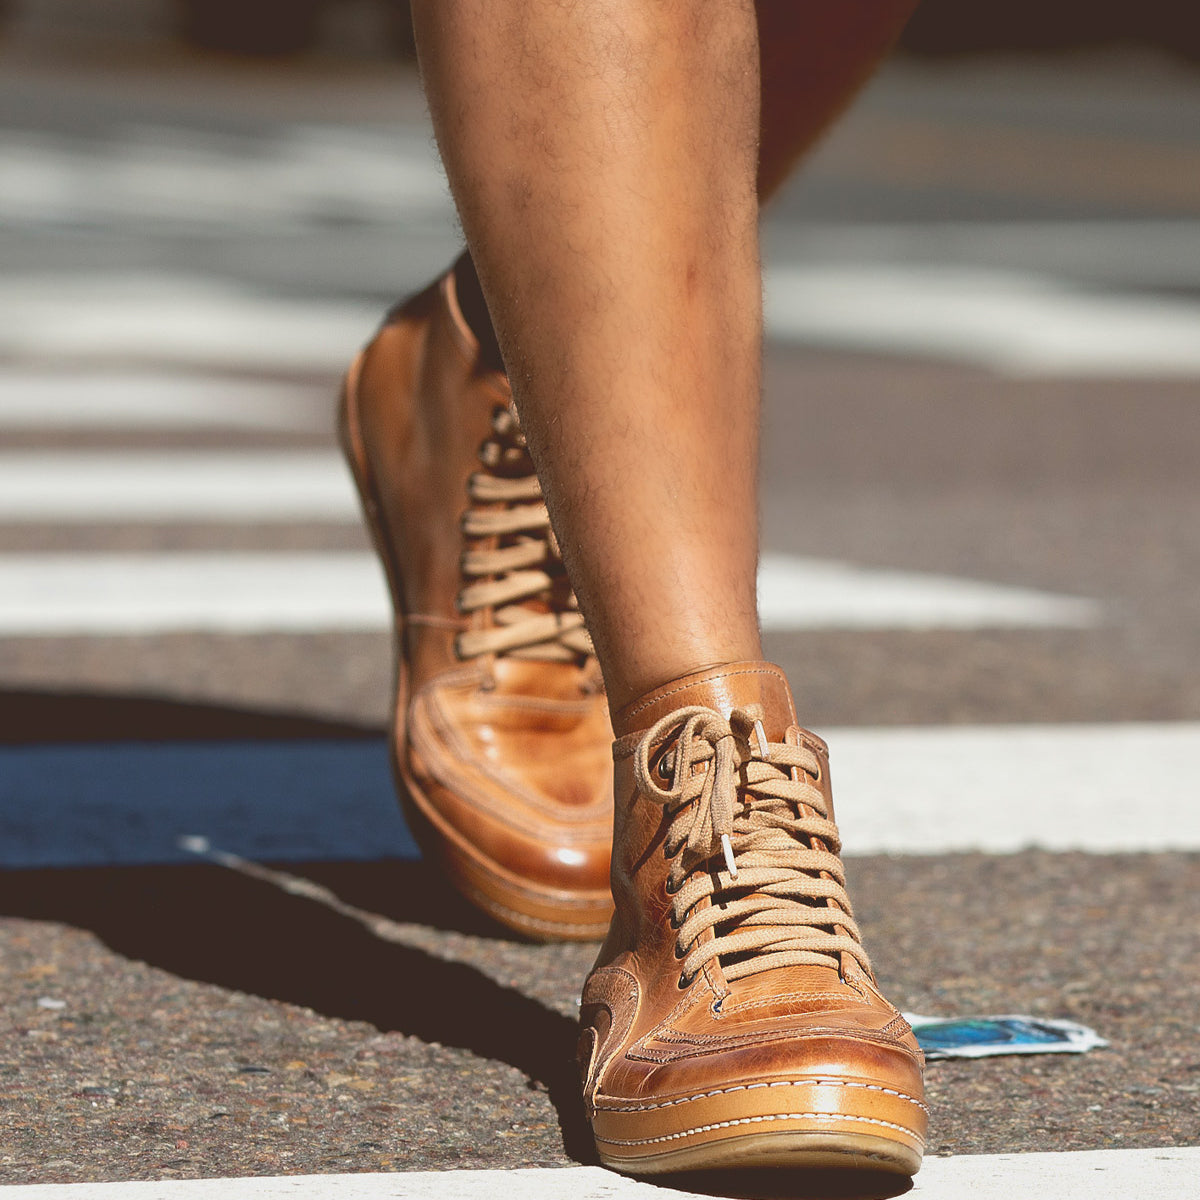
(732, 1018)
(500, 732)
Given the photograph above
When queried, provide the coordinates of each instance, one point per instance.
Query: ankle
(624, 691)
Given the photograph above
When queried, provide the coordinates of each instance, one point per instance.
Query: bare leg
(815, 56)
(603, 158)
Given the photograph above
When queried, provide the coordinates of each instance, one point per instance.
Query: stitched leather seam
(750, 1087)
(692, 998)
(708, 1044)
(602, 981)
(789, 996)
(584, 815)
(896, 1024)
(426, 744)
(801, 1116)
(683, 687)
(681, 1037)
(607, 989)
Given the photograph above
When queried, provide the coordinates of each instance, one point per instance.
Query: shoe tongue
(724, 688)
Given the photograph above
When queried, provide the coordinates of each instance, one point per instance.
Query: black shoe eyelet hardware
(670, 888)
(663, 767)
(686, 981)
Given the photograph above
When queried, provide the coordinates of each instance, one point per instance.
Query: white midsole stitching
(804, 1116)
(601, 1106)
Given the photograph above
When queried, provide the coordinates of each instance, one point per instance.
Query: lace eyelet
(685, 981)
(662, 768)
(680, 951)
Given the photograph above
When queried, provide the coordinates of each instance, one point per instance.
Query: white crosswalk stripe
(241, 592)
(899, 792)
(1079, 1175)
(1034, 298)
(91, 398)
(92, 487)
(942, 790)
(1015, 323)
(188, 179)
(178, 319)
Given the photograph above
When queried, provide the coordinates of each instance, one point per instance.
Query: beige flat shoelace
(752, 836)
(515, 568)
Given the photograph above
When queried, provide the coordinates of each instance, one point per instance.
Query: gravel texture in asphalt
(195, 1021)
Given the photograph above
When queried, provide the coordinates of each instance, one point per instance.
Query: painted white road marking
(1007, 321)
(239, 592)
(806, 593)
(1021, 323)
(193, 320)
(90, 487)
(1118, 788)
(225, 593)
(899, 791)
(1130, 253)
(44, 399)
(180, 178)
(1076, 1175)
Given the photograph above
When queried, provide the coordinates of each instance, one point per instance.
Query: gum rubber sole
(783, 1149)
(535, 913)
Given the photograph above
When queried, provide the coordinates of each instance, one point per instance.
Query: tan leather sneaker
(500, 731)
(732, 1018)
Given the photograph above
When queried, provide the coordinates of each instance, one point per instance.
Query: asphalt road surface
(222, 955)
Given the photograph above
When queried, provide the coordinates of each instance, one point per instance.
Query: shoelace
(517, 569)
(752, 840)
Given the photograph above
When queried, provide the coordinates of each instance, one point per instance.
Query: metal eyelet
(685, 981)
(670, 889)
(680, 951)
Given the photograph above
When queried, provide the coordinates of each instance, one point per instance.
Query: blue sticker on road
(981, 1037)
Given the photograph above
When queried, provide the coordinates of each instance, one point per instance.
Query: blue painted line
(125, 804)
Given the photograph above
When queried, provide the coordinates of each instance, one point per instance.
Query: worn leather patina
(784, 1054)
(500, 731)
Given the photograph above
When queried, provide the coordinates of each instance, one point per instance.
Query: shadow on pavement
(791, 1185)
(334, 936)
(34, 717)
(218, 926)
